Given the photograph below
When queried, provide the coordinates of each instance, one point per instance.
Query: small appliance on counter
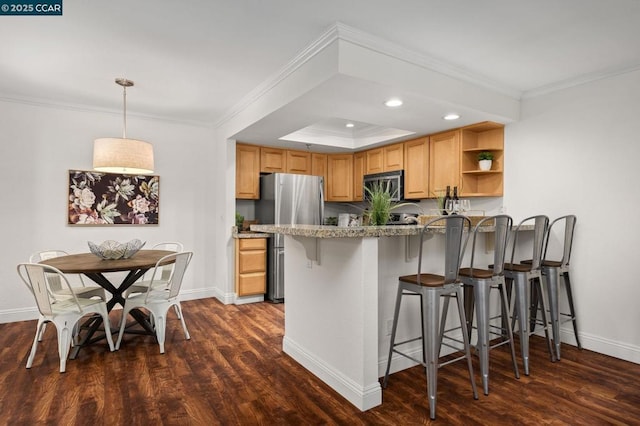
(403, 219)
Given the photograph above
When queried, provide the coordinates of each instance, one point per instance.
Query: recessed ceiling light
(349, 125)
(451, 116)
(393, 103)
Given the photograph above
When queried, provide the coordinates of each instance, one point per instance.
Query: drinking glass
(465, 206)
(451, 206)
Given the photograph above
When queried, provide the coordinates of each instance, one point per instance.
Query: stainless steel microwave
(392, 181)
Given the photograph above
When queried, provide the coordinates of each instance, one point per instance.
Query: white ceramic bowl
(112, 250)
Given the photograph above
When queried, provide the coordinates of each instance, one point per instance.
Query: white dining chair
(83, 291)
(164, 277)
(55, 285)
(64, 314)
(159, 299)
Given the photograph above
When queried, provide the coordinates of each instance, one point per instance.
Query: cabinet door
(444, 160)
(340, 177)
(299, 162)
(358, 174)
(319, 168)
(374, 161)
(247, 172)
(251, 266)
(416, 168)
(273, 160)
(393, 156)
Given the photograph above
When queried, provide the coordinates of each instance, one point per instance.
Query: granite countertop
(324, 231)
(249, 234)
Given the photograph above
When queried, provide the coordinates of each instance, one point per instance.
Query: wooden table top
(87, 263)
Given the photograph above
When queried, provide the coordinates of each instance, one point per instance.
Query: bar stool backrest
(454, 247)
(540, 226)
(569, 226)
(502, 228)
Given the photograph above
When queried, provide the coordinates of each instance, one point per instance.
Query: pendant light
(122, 155)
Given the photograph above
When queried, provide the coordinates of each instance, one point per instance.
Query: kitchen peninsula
(341, 284)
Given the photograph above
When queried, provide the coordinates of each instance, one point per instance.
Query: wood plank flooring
(233, 372)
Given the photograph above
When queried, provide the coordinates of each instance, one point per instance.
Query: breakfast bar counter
(340, 286)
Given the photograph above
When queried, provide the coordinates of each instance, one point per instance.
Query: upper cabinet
(299, 162)
(339, 177)
(393, 157)
(486, 136)
(384, 159)
(273, 160)
(247, 171)
(430, 164)
(444, 161)
(359, 159)
(319, 168)
(416, 169)
(374, 161)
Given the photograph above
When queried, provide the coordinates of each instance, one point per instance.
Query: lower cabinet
(251, 266)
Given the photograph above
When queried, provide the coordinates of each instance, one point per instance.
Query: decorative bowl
(114, 250)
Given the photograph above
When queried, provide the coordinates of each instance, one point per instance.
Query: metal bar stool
(430, 287)
(552, 270)
(482, 281)
(526, 280)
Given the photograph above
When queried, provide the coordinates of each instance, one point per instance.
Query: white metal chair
(163, 279)
(64, 313)
(55, 286)
(158, 299)
(430, 287)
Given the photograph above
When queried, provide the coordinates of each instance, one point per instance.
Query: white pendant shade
(126, 156)
(123, 155)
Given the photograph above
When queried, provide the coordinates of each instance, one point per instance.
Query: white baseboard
(363, 398)
(248, 299)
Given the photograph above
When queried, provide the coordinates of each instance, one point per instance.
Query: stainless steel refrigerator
(287, 199)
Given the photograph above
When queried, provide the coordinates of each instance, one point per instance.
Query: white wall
(41, 143)
(576, 151)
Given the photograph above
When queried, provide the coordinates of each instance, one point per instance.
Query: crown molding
(317, 46)
(573, 82)
(84, 108)
(340, 31)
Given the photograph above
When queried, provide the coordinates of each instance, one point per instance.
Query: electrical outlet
(309, 264)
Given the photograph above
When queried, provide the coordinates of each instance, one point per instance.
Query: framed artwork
(112, 199)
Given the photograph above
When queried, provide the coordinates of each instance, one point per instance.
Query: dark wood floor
(233, 372)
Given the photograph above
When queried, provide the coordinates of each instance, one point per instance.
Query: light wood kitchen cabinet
(299, 162)
(339, 177)
(273, 160)
(359, 159)
(251, 266)
(444, 160)
(384, 159)
(319, 168)
(486, 136)
(416, 169)
(374, 161)
(247, 171)
(393, 157)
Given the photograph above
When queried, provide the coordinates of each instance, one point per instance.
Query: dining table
(95, 268)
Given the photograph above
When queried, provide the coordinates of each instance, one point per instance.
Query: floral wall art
(112, 199)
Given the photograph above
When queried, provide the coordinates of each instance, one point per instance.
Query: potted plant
(380, 205)
(485, 158)
(239, 221)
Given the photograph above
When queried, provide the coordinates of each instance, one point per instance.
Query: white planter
(485, 164)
